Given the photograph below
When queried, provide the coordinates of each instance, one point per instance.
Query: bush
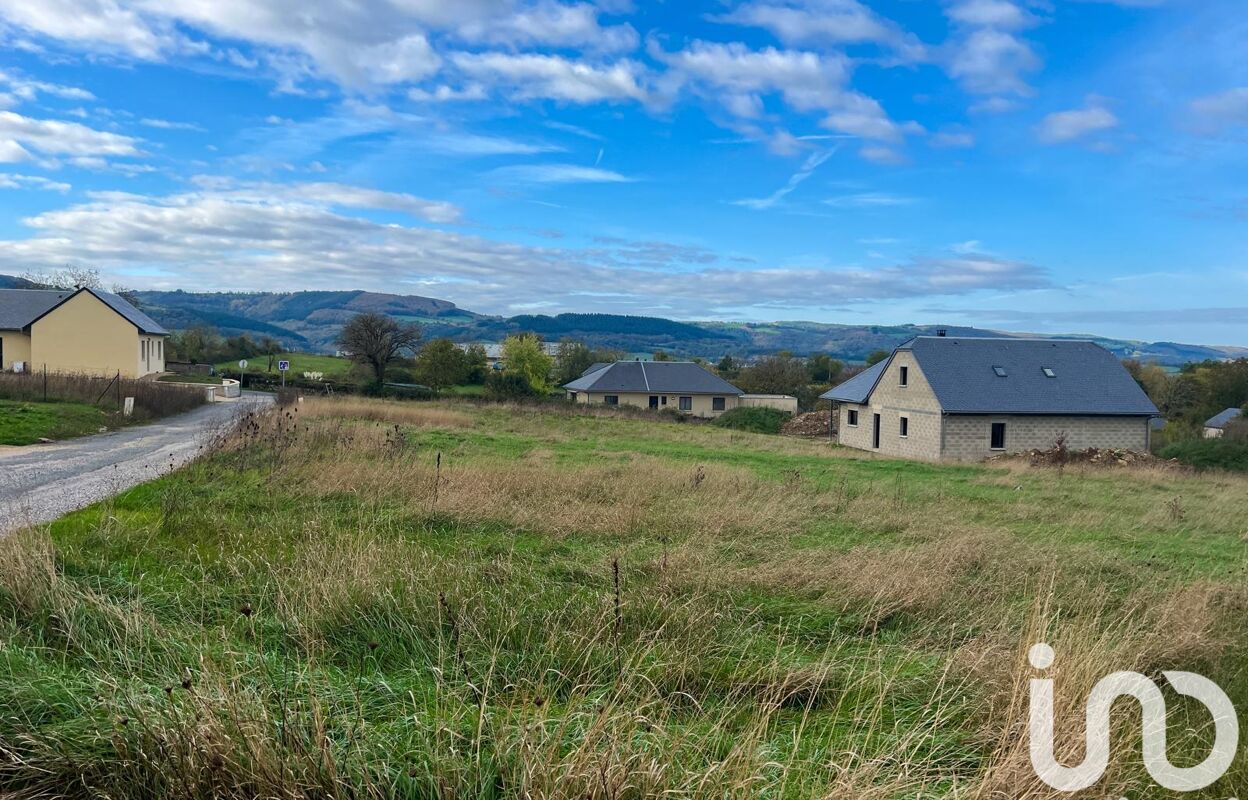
(754, 420)
(508, 386)
(1223, 453)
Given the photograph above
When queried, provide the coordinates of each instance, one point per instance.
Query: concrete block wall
(967, 438)
(916, 401)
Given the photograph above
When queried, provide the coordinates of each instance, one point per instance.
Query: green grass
(23, 423)
(334, 368)
(1222, 453)
(426, 604)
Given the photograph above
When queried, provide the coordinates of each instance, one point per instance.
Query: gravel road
(42, 482)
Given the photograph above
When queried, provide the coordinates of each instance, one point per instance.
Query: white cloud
(882, 155)
(169, 125)
(1067, 126)
(94, 24)
(813, 22)
(55, 137)
(952, 139)
(552, 24)
(807, 81)
(871, 200)
(13, 181)
(991, 61)
(808, 168)
(12, 152)
(557, 173)
(1217, 112)
(210, 239)
(530, 76)
(447, 94)
(990, 14)
(22, 88)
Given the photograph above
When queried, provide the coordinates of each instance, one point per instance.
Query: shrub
(755, 420)
(508, 386)
(1222, 453)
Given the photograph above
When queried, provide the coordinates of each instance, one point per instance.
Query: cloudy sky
(1043, 165)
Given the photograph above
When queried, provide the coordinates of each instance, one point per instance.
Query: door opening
(875, 431)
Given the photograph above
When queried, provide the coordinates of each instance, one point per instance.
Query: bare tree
(69, 278)
(377, 341)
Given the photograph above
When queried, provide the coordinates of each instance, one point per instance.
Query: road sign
(242, 364)
(282, 366)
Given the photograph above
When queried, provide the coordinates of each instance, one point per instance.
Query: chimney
(941, 332)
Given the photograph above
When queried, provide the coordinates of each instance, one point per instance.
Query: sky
(1032, 165)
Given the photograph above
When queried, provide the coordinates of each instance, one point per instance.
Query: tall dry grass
(152, 399)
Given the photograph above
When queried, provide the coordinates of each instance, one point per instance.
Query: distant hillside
(311, 321)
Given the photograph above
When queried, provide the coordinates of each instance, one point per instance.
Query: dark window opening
(853, 418)
(1000, 371)
(686, 404)
(611, 400)
(905, 427)
(654, 401)
(663, 400)
(717, 404)
(904, 376)
(997, 441)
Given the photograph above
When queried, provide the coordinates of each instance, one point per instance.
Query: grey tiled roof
(123, 307)
(20, 307)
(657, 377)
(597, 365)
(1087, 379)
(857, 388)
(1219, 420)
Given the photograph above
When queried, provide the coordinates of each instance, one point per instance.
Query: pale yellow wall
(702, 403)
(916, 401)
(83, 335)
(16, 346)
(155, 354)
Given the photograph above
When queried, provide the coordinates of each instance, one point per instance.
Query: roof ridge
(644, 378)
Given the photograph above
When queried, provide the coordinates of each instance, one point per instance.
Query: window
(663, 400)
(905, 427)
(717, 404)
(572, 396)
(903, 376)
(997, 441)
(611, 399)
(1000, 371)
(853, 418)
(686, 404)
(1049, 373)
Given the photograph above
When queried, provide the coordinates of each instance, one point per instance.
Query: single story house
(678, 385)
(962, 399)
(87, 331)
(1215, 426)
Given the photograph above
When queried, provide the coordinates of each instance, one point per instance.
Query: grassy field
(334, 368)
(368, 599)
(27, 422)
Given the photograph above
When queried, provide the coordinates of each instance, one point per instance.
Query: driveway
(42, 482)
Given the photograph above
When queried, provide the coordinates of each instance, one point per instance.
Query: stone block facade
(932, 435)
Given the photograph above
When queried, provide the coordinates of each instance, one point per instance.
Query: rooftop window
(1000, 371)
(1049, 373)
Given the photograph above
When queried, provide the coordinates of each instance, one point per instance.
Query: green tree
(728, 367)
(476, 364)
(508, 386)
(876, 356)
(440, 364)
(572, 358)
(523, 355)
(376, 341)
(661, 355)
(778, 374)
(823, 368)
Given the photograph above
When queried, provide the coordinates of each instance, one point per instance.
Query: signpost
(283, 367)
(242, 373)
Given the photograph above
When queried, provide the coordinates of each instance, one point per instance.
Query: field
(334, 368)
(28, 422)
(358, 598)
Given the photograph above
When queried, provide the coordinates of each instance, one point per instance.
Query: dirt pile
(1093, 456)
(813, 423)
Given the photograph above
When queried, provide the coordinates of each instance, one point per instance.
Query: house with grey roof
(963, 399)
(85, 331)
(1215, 426)
(681, 386)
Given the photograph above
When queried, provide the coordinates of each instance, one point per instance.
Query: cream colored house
(964, 399)
(87, 331)
(681, 386)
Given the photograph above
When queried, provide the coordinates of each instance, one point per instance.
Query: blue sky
(1042, 165)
